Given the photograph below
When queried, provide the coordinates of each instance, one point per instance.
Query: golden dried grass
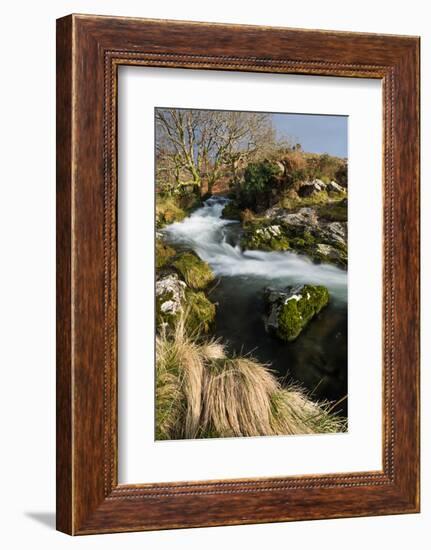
(200, 392)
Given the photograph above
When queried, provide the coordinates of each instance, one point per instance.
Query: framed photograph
(237, 274)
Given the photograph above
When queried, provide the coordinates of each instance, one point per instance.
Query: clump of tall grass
(201, 393)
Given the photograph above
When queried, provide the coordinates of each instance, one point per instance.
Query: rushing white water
(215, 240)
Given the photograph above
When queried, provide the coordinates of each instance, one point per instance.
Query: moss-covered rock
(330, 254)
(164, 253)
(279, 235)
(196, 273)
(174, 299)
(264, 236)
(168, 211)
(336, 211)
(301, 231)
(200, 313)
(290, 310)
(231, 211)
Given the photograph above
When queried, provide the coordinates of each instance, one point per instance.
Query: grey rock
(327, 252)
(310, 188)
(334, 187)
(335, 233)
(304, 216)
(170, 293)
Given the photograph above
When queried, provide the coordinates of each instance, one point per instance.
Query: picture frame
(89, 51)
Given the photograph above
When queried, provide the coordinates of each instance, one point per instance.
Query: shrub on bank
(256, 188)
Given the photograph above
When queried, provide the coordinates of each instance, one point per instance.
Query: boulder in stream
(291, 309)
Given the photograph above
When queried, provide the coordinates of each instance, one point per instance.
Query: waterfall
(216, 240)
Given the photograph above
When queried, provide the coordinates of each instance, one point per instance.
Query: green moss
(295, 314)
(164, 253)
(336, 212)
(298, 243)
(309, 238)
(290, 322)
(262, 235)
(277, 234)
(321, 197)
(279, 244)
(197, 310)
(195, 272)
(231, 211)
(189, 202)
(323, 201)
(288, 203)
(201, 313)
(168, 211)
(332, 253)
(317, 298)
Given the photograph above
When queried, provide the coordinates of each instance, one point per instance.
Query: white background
(141, 458)
(27, 122)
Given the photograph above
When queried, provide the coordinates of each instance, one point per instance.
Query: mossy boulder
(164, 253)
(279, 235)
(330, 254)
(336, 211)
(264, 236)
(200, 312)
(290, 310)
(174, 300)
(196, 273)
(168, 211)
(300, 231)
(231, 211)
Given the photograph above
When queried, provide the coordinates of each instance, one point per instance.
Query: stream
(317, 360)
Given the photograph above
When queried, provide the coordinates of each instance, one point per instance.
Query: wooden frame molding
(89, 51)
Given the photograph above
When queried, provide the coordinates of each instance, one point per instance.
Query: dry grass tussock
(200, 392)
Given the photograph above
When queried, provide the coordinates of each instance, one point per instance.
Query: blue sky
(316, 133)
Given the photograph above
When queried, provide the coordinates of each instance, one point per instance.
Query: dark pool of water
(317, 359)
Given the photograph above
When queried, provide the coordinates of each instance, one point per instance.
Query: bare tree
(196, 146)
